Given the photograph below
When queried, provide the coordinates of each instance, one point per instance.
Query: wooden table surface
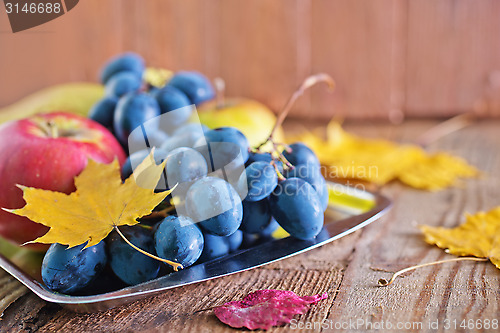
(347, 269)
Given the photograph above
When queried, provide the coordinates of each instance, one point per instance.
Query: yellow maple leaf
(101, 202)
(381, 161)
(478, 236)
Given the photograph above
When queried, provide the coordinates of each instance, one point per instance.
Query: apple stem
(385, 283)
(54, 133)
(174, 265)
(220, 89)
(306, 84)
(49, 127)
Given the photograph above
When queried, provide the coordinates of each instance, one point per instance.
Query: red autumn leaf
(265, 308)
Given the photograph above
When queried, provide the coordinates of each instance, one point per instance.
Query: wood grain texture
(390, 58)
(353, 41)
(348, 269)
(453, 52)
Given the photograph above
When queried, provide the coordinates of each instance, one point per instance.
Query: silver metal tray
(349, 210)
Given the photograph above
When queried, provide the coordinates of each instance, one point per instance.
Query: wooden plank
(316, 272)
(456, 291)
(354, 41)
(453, 49)
(257, 48)
(389, 57)
(351, 265)
(70, 48)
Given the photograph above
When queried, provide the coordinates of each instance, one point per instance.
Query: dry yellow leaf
(381, 161)
(100, 202)
(478, 236)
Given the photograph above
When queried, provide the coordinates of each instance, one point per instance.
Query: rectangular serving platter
(349, 209)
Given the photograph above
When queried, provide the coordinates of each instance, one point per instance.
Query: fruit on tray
(75, 98)
(215, 204)
(228, 192)
(68, 270)
(127, 62)
(252, 118)
(260, 179)
(46, 151)
(133, 110)
(129, 265)
(195, 85)
(296, 206)
(178, 238)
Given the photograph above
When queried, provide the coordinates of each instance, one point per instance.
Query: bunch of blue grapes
(225, 196)
(130, 102)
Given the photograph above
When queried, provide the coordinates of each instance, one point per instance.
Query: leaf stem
(385, 283)
(174, 265)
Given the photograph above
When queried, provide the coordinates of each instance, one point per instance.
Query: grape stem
(174, 265)
(220, 89)
(159, 213)
(280, 175)
(306, 84)
(385, 283)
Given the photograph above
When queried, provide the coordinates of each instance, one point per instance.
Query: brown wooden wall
(420, 58)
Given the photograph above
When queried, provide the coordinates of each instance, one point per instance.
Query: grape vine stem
(174, 265)
(306, 84)
(160, 213)
(385, 283)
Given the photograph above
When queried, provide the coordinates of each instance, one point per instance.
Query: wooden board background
(347, 269)
(389, 57)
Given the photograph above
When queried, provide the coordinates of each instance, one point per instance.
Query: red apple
(47, 151)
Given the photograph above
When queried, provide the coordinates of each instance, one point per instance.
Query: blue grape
(136, 158)
(125, 62)
(250, 240)
(184, 136)
(179, 239)
(263, 157)
(260, 178)
(152, 89)
(324, 195)
(138, 141)
(70, 270)
(311, 174)
(184, 165)
(133, 110)
(122, 83)
(301, 154)
(234, 240)
(195, 85)
(214, 247)
(270, 229)
(131, 266)
(189, 129)
(104, 111)
(254, 157)
(297, 208)
(224, 154)
(169, 99)
(216, 204)
(256, 216)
